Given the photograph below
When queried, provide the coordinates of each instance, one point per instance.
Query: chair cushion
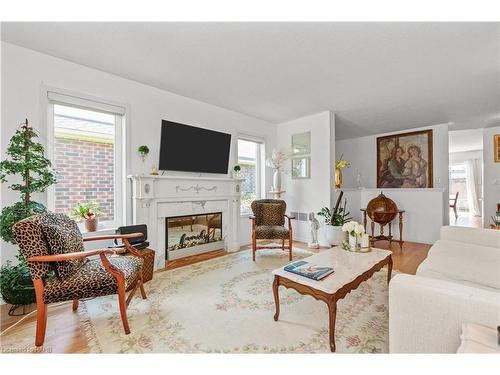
(271, 232)
(92, 280)
(62, 236)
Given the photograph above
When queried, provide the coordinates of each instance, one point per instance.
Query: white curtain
(470, 181)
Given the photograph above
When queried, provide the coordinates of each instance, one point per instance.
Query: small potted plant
(143, 151)
(334, 220)
(236, 171)
(88, 212)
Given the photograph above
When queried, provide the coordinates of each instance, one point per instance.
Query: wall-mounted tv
(191, 149)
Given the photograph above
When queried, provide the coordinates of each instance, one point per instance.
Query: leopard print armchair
(52, 244)
(268, 223)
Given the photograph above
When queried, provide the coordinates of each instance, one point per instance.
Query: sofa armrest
(426, 315)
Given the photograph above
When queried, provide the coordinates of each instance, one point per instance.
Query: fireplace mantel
(154, 198)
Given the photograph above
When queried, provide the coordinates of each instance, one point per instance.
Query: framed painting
(405, 160)
(301, 144)
(496, 147)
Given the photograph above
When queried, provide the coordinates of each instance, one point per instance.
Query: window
(86, 154)
(250, 160)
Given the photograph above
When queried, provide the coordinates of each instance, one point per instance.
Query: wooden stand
(382, 236)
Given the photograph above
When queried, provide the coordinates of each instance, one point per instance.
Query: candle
(365, 241)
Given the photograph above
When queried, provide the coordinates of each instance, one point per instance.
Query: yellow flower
(342, 163)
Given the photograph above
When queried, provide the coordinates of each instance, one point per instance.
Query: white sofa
(458, 282)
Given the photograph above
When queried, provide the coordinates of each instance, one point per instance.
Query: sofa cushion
(474, 236)
(463, 262)
(62, 236)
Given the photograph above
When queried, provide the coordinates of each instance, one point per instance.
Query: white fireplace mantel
(154, 198)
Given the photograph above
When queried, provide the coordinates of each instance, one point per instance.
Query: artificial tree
(25, 159)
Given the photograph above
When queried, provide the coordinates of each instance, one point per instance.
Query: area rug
(226, 305)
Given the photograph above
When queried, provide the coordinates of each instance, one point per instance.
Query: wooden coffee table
(351, 269)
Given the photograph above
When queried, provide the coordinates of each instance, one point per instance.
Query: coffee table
(351, 269)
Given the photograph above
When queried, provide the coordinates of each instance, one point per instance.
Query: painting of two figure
(405, 160)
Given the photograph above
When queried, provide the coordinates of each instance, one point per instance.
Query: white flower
(359, 229)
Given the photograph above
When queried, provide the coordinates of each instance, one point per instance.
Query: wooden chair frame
(454, 204)
(41, 306)
(282, 247)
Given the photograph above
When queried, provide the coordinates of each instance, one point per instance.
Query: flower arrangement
(277, 159)
(353, 228)
(342, 163)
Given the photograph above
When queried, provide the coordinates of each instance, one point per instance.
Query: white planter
(334, 235)
(277, 180)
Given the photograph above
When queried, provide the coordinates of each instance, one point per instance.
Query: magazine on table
(309, 270)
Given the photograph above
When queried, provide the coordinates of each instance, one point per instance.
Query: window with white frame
(86, 146)
(250, 160)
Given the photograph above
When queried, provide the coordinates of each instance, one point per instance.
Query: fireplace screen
(193, 230)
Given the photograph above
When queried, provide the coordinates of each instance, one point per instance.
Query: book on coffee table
(309, 270)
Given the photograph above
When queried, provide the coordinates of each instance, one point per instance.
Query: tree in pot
(25, 159)
(334, 219)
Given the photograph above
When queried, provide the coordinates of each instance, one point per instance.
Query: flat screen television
(191, 149)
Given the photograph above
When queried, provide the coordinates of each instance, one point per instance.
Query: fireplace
(187, 235)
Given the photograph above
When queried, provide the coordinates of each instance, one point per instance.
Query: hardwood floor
(69, 337)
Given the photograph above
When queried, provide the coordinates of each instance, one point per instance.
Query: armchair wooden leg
(143, 292)
(41, 313)
(283, 244)
(123, 304)
(254, 247)
(290, 242)
(75, 304)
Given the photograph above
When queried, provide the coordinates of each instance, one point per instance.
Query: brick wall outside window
(84, 174)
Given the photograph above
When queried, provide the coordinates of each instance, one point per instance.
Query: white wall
(309, 195)
(24, 72)
(362, 154)
(491, 187)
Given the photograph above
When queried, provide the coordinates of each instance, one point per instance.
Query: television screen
(191, 149)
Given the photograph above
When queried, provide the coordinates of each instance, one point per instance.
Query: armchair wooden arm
(69, 256)
(290, 218)
(123, 237)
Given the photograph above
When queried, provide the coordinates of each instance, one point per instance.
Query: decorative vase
(334, 234)
(338, 178)
(277, 180)
(353, 241)
(90, 225)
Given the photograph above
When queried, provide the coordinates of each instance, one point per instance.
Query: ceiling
(377, 77)
(466, 140)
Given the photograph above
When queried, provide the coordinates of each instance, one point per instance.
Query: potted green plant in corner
(25, 159)
(334, 220)
(88, 213)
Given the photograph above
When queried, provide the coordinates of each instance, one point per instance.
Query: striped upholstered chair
(268, 223)
(61, 271)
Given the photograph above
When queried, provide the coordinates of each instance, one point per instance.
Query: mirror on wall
(301, 155)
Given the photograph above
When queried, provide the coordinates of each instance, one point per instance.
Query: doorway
(466, 178)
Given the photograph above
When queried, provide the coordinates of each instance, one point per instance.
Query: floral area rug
(226, 305)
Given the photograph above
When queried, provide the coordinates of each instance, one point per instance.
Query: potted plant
(236, 171)
(339, 165)
(143, 151)
(334, 220)
(276, 160)
(87, 212)
(25, 159)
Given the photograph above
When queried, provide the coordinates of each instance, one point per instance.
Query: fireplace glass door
(184, 232)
